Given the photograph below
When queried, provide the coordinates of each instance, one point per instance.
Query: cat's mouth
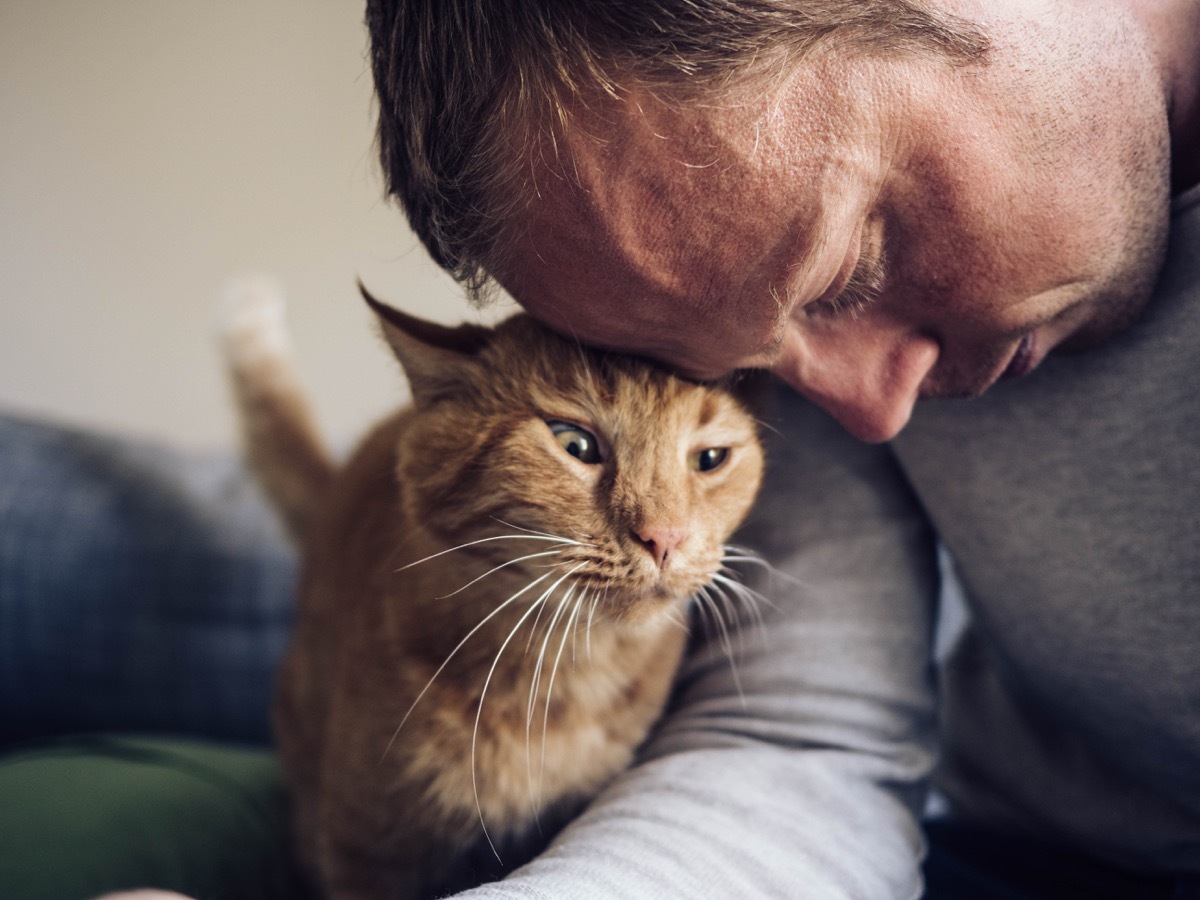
(645, 594)
(624, 581)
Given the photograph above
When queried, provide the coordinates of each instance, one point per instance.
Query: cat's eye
(578, 442)
(708, 459)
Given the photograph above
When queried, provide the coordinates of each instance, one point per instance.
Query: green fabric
(84, 815)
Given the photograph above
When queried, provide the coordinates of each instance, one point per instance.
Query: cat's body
(588, 496)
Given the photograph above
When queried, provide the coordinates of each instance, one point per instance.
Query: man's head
(468, 91)
(860, 196)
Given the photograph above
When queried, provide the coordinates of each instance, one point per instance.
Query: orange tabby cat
(494, 589)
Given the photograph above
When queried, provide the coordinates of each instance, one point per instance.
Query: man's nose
(866, 375)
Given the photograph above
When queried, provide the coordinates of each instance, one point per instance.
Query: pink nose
(661, 541)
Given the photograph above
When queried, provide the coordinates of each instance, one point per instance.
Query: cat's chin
(646, 606)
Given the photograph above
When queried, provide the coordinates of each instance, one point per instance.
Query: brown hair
(466, 86)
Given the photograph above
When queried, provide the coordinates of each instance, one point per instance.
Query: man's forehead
(658, 229)
(640, 114)
(645, 199)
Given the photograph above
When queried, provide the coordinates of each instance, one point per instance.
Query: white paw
(252, 320)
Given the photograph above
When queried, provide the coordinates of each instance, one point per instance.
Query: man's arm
(803, 776)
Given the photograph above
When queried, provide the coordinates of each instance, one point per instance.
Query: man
(880, 201)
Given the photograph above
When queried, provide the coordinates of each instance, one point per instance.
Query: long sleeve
(797, 770)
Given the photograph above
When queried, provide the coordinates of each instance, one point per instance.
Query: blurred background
(151, 152)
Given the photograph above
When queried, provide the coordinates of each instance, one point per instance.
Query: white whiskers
(483, 694)
(734, 553)
(717, 615)
(725, 596)
(531, 536)
(503, 565)
(550, 691)
(535, 610)
(587, 632)
(535, 682)
(495, 612)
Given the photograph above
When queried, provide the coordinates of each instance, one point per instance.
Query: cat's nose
(661, 541)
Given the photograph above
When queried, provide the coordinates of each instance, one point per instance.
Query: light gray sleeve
(804, 775)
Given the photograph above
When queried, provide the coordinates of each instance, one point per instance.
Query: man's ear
(435, 358)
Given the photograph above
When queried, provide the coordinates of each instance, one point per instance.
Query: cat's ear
(435, 358)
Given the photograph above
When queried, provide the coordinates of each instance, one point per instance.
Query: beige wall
(150, 151)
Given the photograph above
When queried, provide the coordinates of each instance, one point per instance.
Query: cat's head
(640, 474)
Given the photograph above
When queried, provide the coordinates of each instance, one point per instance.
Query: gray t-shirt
(1071, 502)
(1070, 706)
